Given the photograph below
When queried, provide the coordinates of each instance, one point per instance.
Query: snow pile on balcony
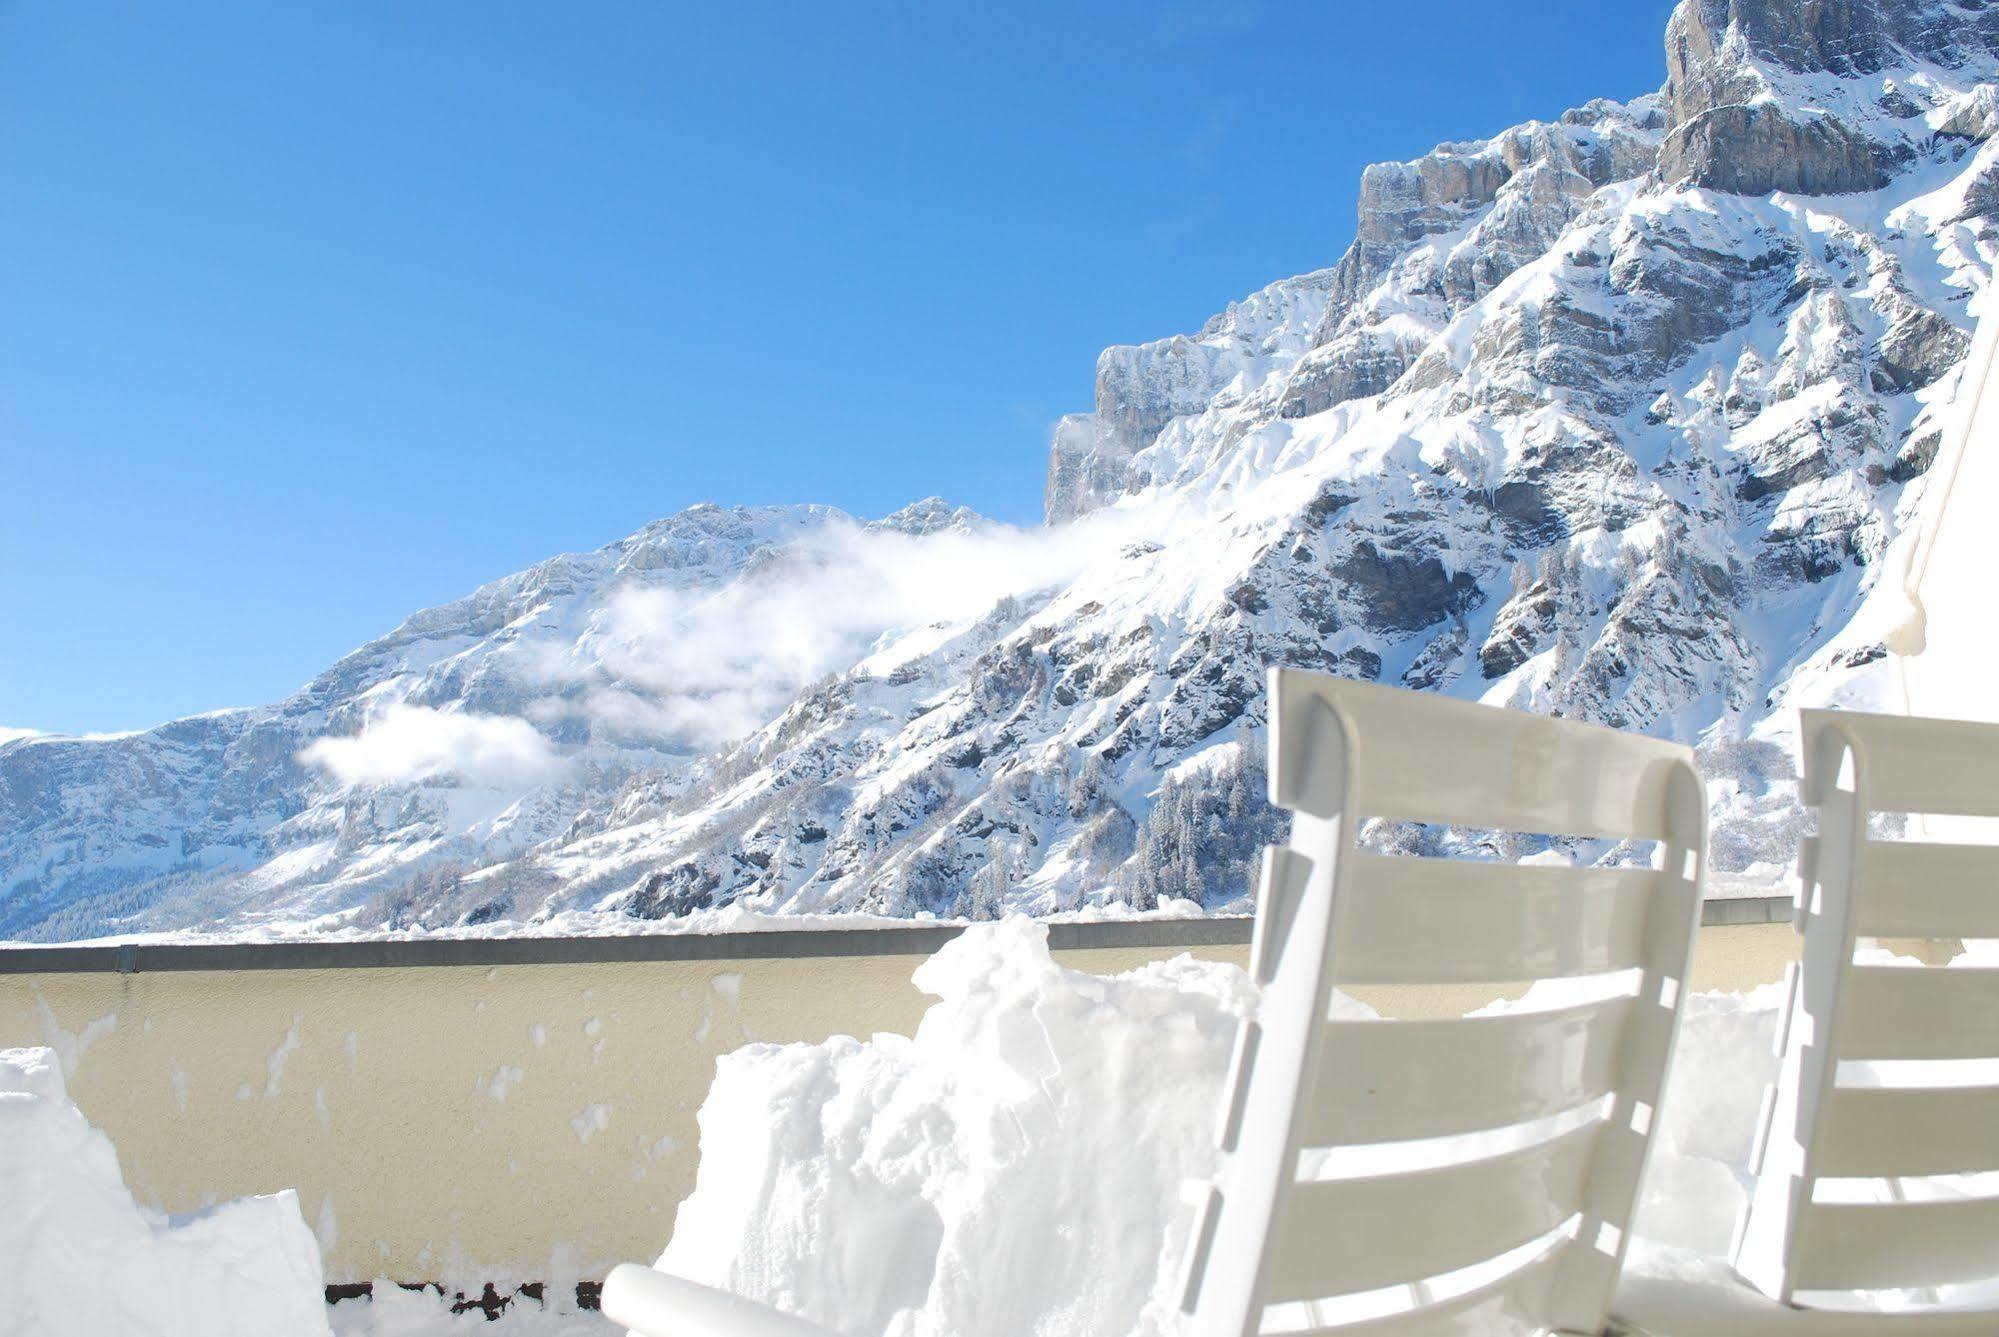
(1014, 1168)
(81, 1258)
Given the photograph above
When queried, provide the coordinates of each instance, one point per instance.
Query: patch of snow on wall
(275, 1064)
(593, 1120)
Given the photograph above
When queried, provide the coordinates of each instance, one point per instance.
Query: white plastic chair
(1548, 1220)
(1818, 1127)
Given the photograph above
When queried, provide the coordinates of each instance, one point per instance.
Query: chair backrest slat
(1924, 889)
(1908, 1125)
(1423, 758)
(1872, 1132)
(1895, 1245)
(1350, 1235)
(1417, 1079)
(1914, 1012)
(1492, 1308)
(1913, 764)
(1544, 1115)
(1456, 921)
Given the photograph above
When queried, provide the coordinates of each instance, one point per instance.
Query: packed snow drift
(80, 1258)
(1014, 1167)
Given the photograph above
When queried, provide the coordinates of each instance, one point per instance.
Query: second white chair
(1802, 1233)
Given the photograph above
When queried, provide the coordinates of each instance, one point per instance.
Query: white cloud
(706, 667)
(693, 669)
(8, 735)
(410, 743)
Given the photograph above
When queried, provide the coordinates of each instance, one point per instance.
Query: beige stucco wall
(467, 1123)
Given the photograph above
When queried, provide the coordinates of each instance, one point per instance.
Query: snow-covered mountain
(474, 731)
(1616, 416)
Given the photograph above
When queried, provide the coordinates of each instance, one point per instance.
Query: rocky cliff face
(1141, 389)
(1615, 416)
(1815, 99)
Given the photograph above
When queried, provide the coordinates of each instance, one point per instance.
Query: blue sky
(315, 314)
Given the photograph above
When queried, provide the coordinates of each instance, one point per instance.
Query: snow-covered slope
(475, 730)
(1615, 416)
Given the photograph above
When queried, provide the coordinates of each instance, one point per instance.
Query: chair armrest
(659, 1305)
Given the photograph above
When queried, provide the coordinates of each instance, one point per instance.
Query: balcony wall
(512, 1110)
